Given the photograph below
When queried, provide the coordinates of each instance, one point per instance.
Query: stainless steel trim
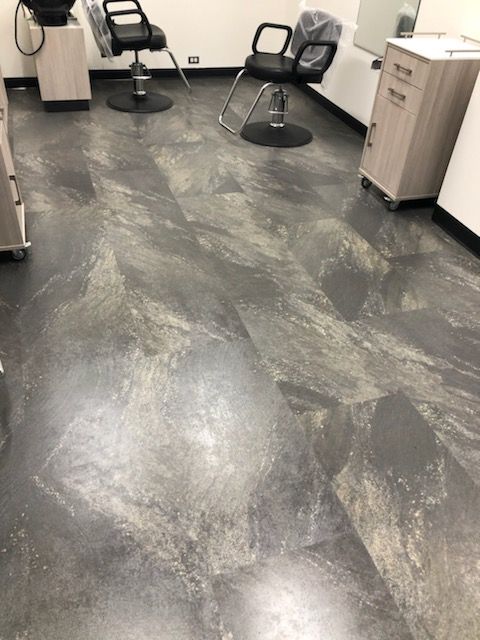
(452, 51)
(250, 111)
(179, 69)
(465, 38)
(227, 102)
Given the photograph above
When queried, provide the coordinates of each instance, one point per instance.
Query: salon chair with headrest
(277, 69)
(136, 36)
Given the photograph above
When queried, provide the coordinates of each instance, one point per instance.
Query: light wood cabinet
(12, 210)
(62, 67)
(3, 103)
(422, 96)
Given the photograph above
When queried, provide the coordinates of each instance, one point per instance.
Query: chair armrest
(137, 11)
(316, 43)
(271, 25)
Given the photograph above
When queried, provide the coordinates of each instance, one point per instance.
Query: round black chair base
(291, 135)
(149, 103)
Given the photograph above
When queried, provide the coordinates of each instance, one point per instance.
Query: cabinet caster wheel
(19, 254)
(366, 183)
(393, 205)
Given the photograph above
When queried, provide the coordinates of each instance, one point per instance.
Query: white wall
(460, 192)
(220, 32)
(456, 18)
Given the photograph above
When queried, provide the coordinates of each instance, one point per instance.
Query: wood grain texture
(3, 102)
(62, 62)
(414, 130)
(446, 98)
(400, 93)
(388, 142)
(11, 215)
(410, 68)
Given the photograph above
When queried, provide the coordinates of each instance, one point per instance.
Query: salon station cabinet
(12, 210)
(422, 96)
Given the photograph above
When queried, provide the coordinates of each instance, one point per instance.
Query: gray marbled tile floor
(242, 398)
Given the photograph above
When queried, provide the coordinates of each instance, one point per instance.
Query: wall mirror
(382, 19)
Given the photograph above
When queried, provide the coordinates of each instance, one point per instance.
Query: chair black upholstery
(133, 37)
(138, 35)
(276, 69)
(270, 67)
(273, 67)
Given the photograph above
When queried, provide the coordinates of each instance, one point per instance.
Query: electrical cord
(26, 53)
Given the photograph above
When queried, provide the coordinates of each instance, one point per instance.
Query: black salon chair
(137, 36)
(278, 69)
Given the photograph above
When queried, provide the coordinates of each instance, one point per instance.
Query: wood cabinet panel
(400, 93)
(62, 62)
(404, 66)
(11, 233)
(413, 130)
(388, 141)
(3, 102)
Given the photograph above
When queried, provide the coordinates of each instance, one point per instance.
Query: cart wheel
(19, 254)
(366, 183)
(393, 205)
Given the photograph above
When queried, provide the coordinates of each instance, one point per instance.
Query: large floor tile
(330, 591)
(414, 507)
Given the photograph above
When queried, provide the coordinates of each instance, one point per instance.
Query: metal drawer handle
(18, 201)
(396, 94)
(403, 69)
(373, 126)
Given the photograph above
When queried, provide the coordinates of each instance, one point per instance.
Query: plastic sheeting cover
(315, 24)
(96, 18)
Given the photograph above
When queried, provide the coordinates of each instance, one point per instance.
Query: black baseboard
(66, 105)
(20, 83)
(348, 119)
(457, 230)
(124, 74)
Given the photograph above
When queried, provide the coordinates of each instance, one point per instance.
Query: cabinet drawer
(406, 67)
(388, 142)
(400, 93)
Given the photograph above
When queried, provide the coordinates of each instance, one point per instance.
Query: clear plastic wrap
(96, 18)
(314, 23)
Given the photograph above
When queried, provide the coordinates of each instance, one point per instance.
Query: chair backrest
(98, 24)
(142, 28)
(315, 25)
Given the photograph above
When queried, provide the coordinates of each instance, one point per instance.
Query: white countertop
(434, 48)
